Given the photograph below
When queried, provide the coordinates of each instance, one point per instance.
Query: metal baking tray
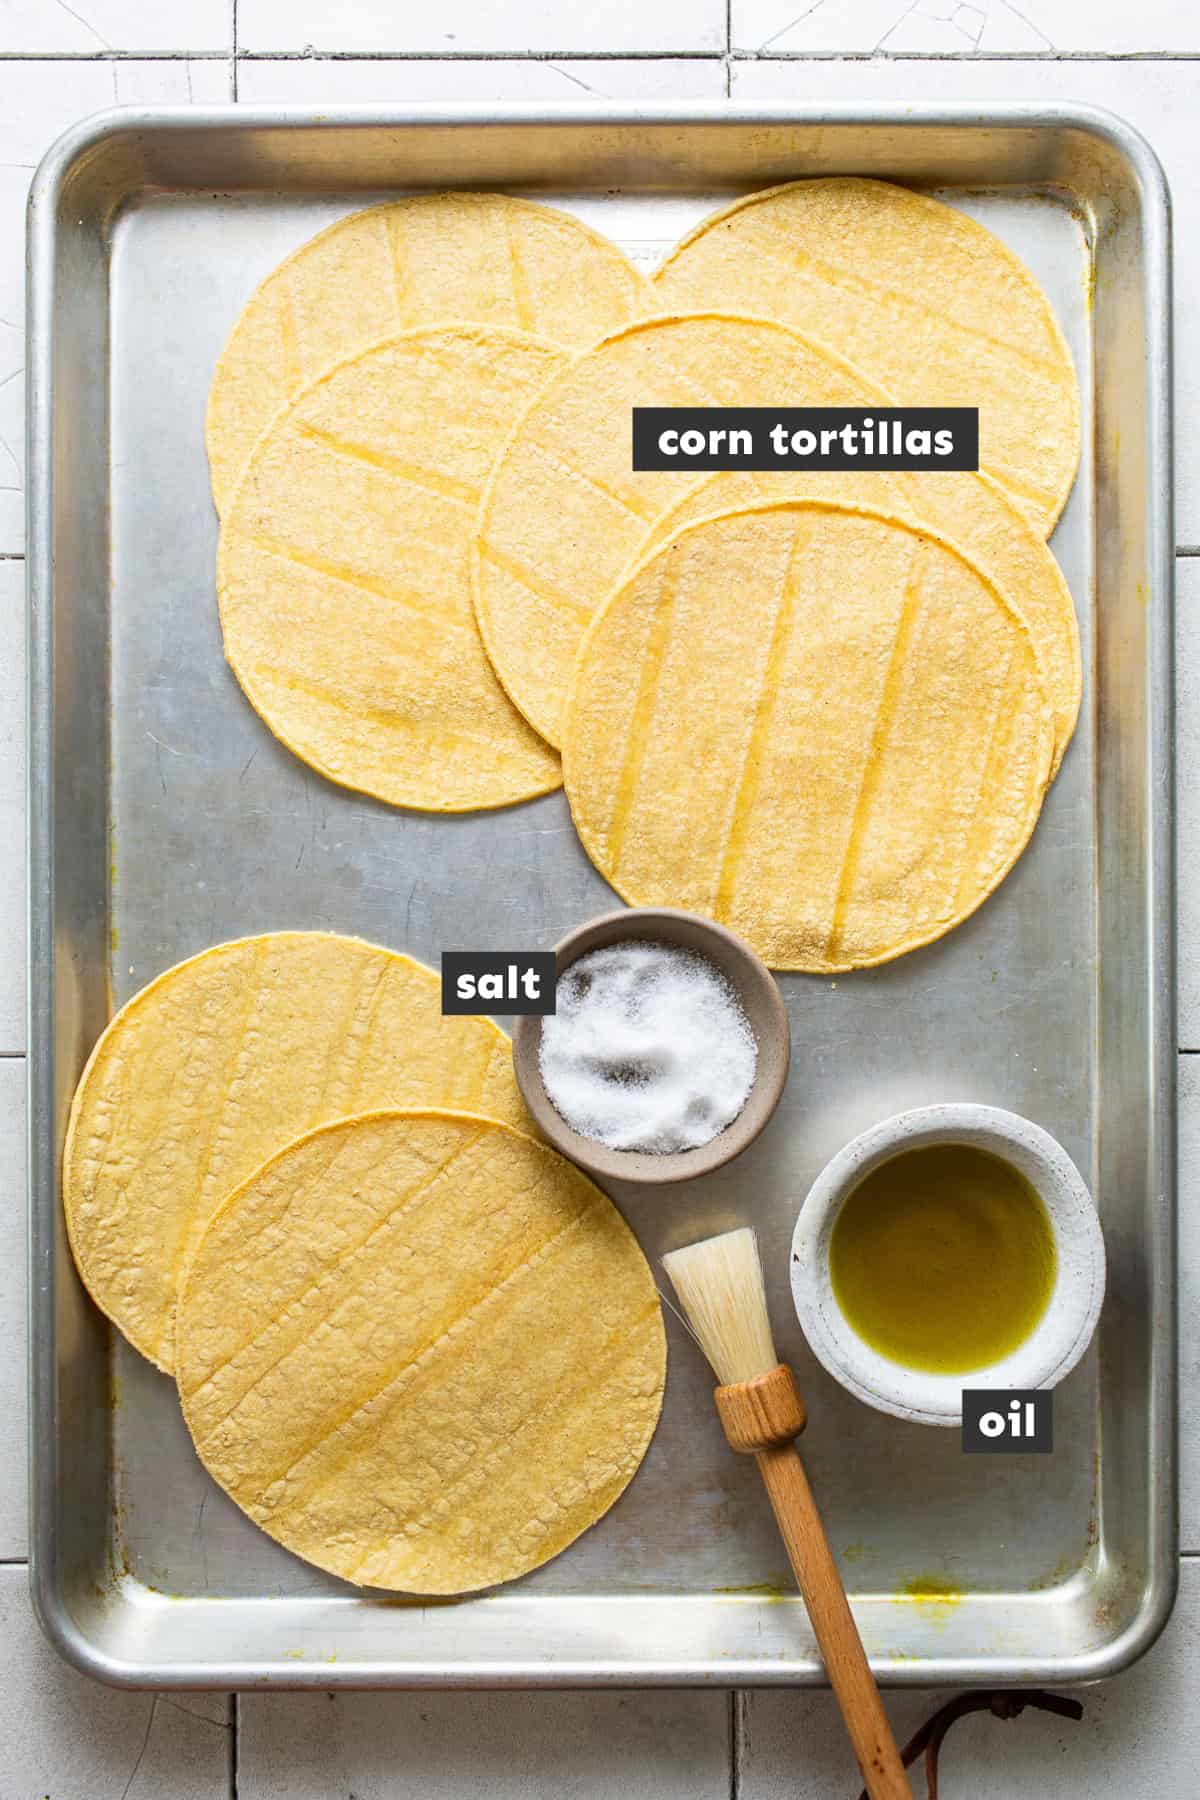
(165, 818)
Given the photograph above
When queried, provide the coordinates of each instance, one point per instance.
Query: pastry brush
(720, 1287)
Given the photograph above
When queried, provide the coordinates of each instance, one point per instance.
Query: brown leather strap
(1003, 1703)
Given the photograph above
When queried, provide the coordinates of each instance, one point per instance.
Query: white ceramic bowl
(1065, 1329)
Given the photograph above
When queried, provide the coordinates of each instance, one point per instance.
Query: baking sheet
(168, 819)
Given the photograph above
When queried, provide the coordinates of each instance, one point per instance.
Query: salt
(649, 1048)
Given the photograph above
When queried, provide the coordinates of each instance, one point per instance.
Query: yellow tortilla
(564, 513)
(820, 725)
(922, 298)
(343, 573)
(216, 1065)
(421, 1350)
(483, 258)
(972, 511)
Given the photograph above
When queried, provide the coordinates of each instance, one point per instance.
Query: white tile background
(61, 1737)
(961, 27)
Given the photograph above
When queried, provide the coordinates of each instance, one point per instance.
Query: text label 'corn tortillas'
(919, 296)
(344, 572)
(821, 726)
(484, 259)
(970, 510)
(217, 1064)
(564, 513)
(421, 1350)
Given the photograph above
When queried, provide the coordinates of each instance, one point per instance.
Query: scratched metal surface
(216, 831)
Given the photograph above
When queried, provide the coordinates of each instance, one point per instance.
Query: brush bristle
(720, 1287)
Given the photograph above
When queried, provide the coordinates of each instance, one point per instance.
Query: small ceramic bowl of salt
(667, 1050)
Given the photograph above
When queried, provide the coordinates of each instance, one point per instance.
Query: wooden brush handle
(761, 1418)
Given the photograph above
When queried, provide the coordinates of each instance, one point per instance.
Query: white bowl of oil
(948, 1247)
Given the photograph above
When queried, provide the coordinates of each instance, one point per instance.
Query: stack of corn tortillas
(437, 563)
(412, 1342)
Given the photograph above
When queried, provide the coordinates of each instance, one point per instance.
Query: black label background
(977, 1401)
(497, 962)
(649, 421)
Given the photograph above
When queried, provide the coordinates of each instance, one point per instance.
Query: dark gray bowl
(762, 1003)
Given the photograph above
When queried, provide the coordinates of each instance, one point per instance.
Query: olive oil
(943, 1259)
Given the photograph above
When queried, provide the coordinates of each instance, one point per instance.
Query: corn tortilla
(563, 513)
(819, 725)
(343, 573)
(483, 258)
(972, 511)
(219, 1062)
(421, 1350)
(918, 295)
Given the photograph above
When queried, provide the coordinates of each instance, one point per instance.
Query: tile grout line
(102, 56)
(681, 55)
(728, 56)
(955, 56)
(664, 55)
(235, 1719)
(319, 56)
(736, 1703)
